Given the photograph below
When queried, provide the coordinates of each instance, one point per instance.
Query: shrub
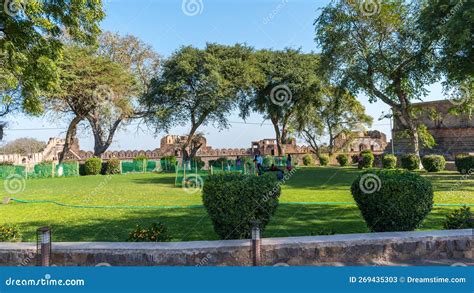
(197, 161)
(93, 166)
(410, 162)
(168, 163)
(234, 201)
(389, 162)
(464, 163)
(157, 232)
(112, 166)
(459, 219)
(7, 163)
(355, 159)
(343, 160)
(323, 160)
(392, 200)
(307, 160)
(268, 161)
(366, 159)
(9, 233)
(433, 163)
(222, 161)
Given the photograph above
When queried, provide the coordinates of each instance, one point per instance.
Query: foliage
(410, 162)
(23, 146)
(113, 166)
(335, 115)
(464, 163)
(198, 162)
(323, 160)
(392, 200)
(156, 232)
(433, 163)
(286, 83)
(199, 87)
(447, 25)
(95, 89)
(307, 160)
(389, 161)
(233, 201)
(9, 233)
(93, 166)
(343, 160)
(31, 47)
(267, 161)
(366, 159)
(355, 159)
(461, 218)
(382, 54)
(219, 163)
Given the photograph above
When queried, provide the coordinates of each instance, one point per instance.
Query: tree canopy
(383, 54)
(31, 46)
(199, 87)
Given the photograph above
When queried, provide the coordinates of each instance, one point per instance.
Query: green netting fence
(140, 166)
(43, 170)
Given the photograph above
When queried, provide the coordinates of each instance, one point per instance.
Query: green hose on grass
(24, 201)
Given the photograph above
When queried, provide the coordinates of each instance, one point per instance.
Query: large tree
(331, 121)
(142, 64)
(199, 87)
(91, 86)
(287, 81)
(31, 46)
(381, 53)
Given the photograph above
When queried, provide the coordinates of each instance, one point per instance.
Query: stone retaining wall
(350, 249)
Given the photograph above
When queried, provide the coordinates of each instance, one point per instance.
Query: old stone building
(358, 141)
(269, 147)
(453, 134)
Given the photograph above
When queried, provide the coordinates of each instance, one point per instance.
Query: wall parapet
(346, 249)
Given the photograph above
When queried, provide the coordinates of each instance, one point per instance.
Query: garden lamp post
(43, 246)
(256, 243)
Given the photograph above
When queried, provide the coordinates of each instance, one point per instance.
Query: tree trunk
(278, 137)
(101, 145)
(70, 135)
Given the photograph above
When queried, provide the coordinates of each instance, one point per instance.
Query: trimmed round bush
(343, 160)
(93, 166)
(323, 160)
(389, 162)
(112, 166)
(464, 163)
(433, 163)
(459, 219)
(410, 162)
(366, 159)
(140, 158)
(9, 233)
(307, 160)
(234, 201)
(268, 161)
(392, 200)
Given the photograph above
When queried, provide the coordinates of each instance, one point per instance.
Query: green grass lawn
(101, 215)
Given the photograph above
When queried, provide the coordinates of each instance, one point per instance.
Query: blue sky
(168, 24)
